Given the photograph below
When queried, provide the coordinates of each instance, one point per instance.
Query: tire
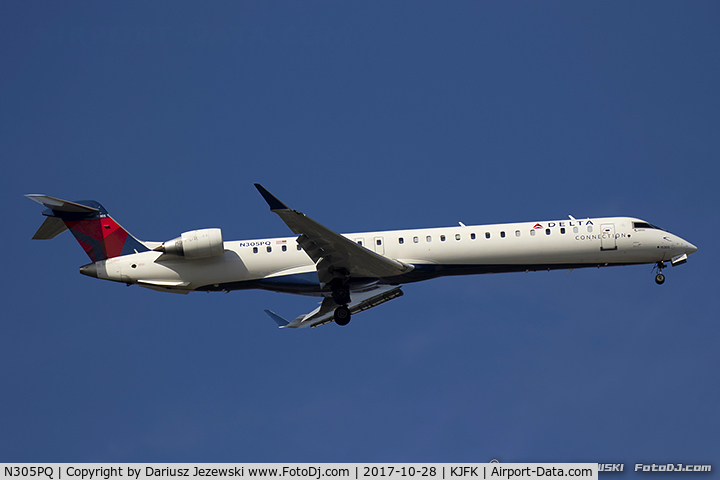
(659, 278)
(342, 315)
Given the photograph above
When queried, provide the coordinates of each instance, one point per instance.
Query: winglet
(278, 319)
(271, 199)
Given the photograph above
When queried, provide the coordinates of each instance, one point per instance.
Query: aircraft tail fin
(99, 235)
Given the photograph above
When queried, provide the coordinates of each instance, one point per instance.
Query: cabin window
(442, 238)
(575, 229)
(284, 248)
(532, 233)
(589, 228)
(401, 240)
(547, 231)
(416, 239)
(269, 249)
(487, 234)
(472, 236)
(517, 233)
(502, 234)
(562, 230)
(255, 250)
(359, 242)
(457, 236)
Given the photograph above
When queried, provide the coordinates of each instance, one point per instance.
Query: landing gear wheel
(659, 278)
(342, 315)
(341, 295)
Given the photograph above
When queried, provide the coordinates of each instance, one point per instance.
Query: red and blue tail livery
(100, 236)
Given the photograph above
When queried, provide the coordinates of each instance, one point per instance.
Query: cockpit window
(645, 225)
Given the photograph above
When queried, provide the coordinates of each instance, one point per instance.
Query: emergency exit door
(379, 246)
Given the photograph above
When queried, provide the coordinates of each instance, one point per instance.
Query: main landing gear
(659, 278)
(342, 315)
(341, 296)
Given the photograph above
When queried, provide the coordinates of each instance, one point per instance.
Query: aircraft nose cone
(90, 270)
(690, 248)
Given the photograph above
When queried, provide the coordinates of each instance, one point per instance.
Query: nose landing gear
(659, 278)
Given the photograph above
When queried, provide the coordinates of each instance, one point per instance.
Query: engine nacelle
(204, 243)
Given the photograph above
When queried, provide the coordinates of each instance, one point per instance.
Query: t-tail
(100, 236)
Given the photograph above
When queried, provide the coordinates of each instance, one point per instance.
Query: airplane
(352, 272)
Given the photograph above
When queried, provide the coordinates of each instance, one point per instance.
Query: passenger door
(608, 240)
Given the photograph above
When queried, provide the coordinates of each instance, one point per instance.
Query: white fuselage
(278, 263)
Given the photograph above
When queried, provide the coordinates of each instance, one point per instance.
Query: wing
(324, 313)
(334, 255)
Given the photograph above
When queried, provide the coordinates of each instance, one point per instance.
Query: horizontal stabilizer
(50, 228)
(59, 205)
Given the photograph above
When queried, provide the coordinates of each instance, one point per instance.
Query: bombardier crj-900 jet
(351, 272)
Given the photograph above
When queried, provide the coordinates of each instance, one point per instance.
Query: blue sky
(366, 116)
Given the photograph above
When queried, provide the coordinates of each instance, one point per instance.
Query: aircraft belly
(186, 273)
(522, 254)
(426, 272)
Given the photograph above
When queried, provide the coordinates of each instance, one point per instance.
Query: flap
(323, 314)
